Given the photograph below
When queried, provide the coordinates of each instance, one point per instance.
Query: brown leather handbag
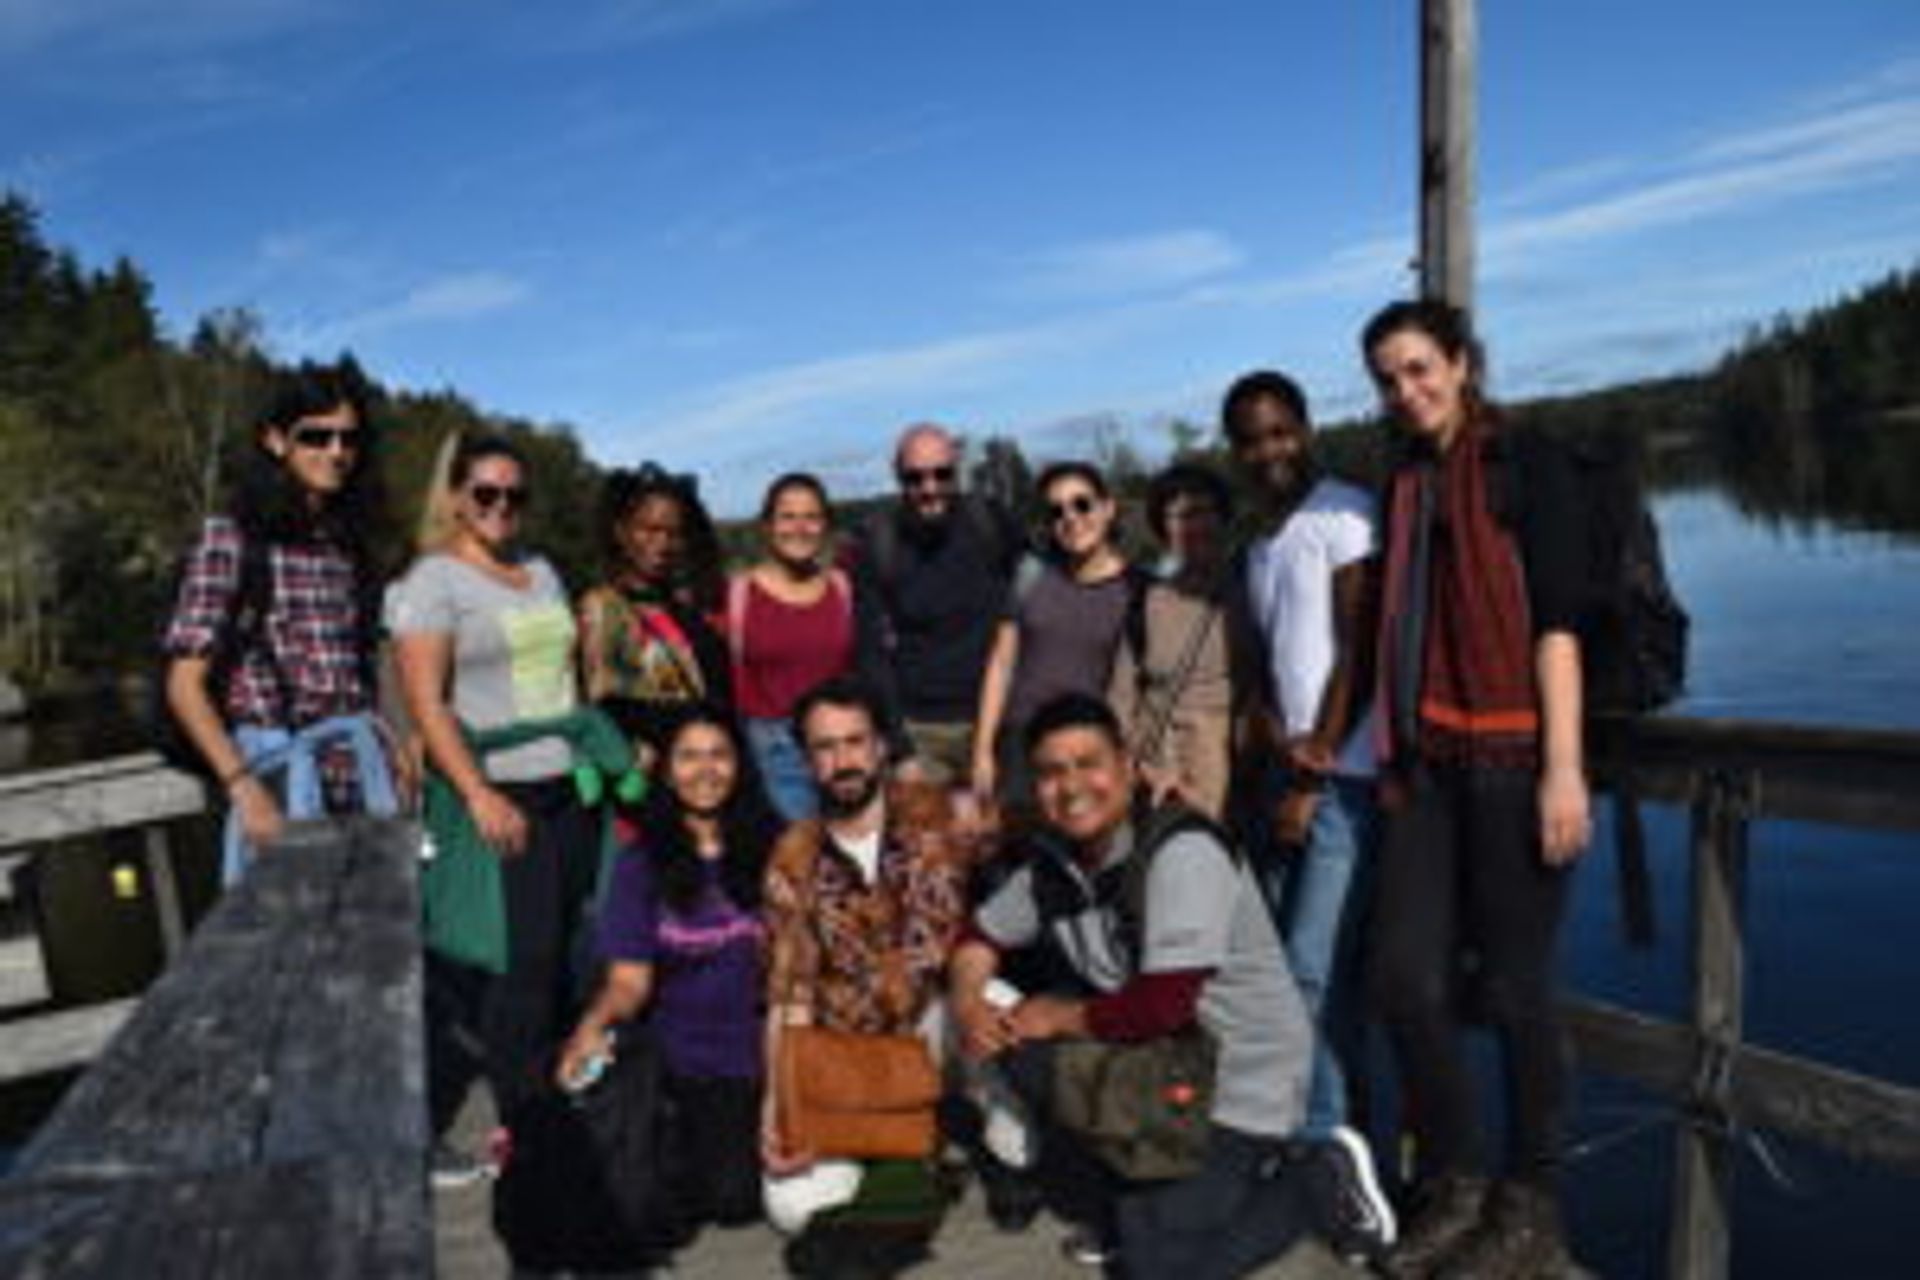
(847, 1094)
(851, 1094)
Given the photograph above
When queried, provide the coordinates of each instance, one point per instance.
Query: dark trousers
(508, 1025)
(1242, 1209)
(1466, 919)
(714, 1128)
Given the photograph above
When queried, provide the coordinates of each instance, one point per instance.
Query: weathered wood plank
(1700, 1242)
(47, 1042)
(271, 981)
(1855, 1115)
(1847, 777)
(340, 1220)
(130, 791)
(263, 1112)
(166, 891)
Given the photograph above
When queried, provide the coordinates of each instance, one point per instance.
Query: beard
(848, 792)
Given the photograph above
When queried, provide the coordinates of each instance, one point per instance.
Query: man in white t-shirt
(1309, 585)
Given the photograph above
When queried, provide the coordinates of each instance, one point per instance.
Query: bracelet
(234, 775)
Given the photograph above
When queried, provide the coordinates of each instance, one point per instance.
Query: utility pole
(1449, 54)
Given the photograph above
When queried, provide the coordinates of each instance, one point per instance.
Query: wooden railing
(41, 814)
(1731, 774)
(263, 1111)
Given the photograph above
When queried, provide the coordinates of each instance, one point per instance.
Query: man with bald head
(931, 573)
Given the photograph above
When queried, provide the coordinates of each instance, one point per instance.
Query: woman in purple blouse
(681, 935)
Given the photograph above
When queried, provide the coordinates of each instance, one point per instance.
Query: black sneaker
(1356, 1216)
(1013, 1200)
(1087, 1247)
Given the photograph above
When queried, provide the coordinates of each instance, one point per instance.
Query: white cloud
(1831, 150)
(460, 296)
(1134, 264)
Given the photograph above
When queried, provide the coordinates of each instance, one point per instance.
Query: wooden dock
(967, 1248)
(262, 1112)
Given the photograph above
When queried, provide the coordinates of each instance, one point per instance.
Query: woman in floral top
(647, 646)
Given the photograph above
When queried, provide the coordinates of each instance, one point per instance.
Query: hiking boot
(1355, 1216)
(1446, 1211)
(1519, 1238)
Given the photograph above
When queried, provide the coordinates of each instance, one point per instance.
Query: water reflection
(1860, 473)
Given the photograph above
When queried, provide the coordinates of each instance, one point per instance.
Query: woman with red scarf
(1487, 803)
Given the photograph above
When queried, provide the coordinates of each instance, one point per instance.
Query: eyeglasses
(1080, 504)
(320, 439)
(915, 477)
(488, 496)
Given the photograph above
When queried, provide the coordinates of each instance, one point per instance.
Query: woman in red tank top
(789, 626)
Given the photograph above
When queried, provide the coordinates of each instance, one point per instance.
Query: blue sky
(743, 235)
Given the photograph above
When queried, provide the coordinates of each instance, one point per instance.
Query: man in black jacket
(931, 573)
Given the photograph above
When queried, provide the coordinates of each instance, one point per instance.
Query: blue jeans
(1318, 896)
(270, 751)
(783, 769)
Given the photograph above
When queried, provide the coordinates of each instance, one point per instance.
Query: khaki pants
(944, 748)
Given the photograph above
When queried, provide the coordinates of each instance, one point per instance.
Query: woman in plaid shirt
(273, 632)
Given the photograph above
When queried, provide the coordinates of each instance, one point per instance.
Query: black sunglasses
(321, 438)
(486, 496)
(914, 477)
(1080, 504)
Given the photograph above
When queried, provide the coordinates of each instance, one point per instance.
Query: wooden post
(1449, 54)
(166, 892)
(1699, 1247)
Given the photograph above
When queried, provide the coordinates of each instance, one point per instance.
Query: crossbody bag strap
(1160, 713)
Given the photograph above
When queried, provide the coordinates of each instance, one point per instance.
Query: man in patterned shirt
(862, 906)
(274, 627)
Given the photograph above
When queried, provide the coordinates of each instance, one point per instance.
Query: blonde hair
(451, 466)
(437, 525)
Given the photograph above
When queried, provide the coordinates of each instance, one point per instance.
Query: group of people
(999, 789)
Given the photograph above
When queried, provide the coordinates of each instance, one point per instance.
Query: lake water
(1806, 623)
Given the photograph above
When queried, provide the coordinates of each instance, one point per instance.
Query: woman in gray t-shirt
(484, 638)
(1061, 626)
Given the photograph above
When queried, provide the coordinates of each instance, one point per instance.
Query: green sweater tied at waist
(461, 895)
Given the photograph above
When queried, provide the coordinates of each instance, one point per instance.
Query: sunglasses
(1080, 504)
(915, 477)
(320, 439)
(488, 496)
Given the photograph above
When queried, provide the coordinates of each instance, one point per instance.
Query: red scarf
(1476, 702)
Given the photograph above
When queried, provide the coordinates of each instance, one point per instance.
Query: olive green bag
(1142, 1107)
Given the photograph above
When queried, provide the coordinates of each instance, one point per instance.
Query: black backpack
(1633, 630)
(881, 539)
(587, 1185)
(1058, 896)
(243, 624)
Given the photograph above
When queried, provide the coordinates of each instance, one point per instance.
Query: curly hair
(626, 490)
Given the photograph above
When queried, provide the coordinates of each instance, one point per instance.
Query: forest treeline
(116, 438)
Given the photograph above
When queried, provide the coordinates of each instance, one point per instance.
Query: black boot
(1519, 1238)
(1446, 1210)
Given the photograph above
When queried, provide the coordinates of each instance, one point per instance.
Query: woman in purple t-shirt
(681, 935)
